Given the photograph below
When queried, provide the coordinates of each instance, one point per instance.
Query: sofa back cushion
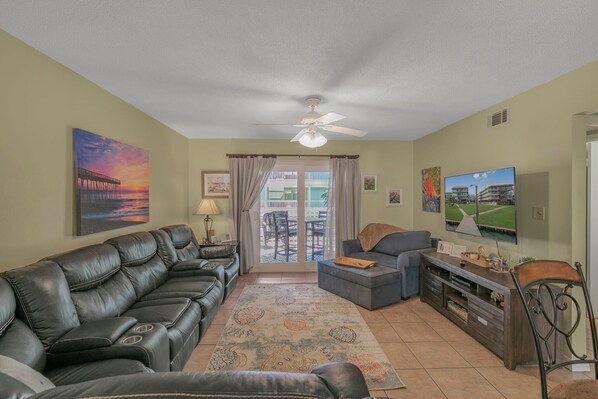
(183, 240)
(99, 288)
(166, 249)
(8, 305)
(43, 300)
(142, 265)
(396, 243)
(16, 339)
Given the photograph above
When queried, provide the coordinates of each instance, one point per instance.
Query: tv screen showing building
(482, 204)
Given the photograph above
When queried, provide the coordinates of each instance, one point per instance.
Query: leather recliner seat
(108, 289)
(24, 373)
(20, 343)
(187, 254)
(186, 305)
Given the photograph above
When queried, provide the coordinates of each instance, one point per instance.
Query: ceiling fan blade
(276, 124)
(330, 117)
(299, 135)
(344, 130)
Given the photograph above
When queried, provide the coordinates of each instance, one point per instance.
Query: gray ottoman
(370, 288)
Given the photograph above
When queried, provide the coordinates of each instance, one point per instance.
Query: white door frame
(592, 233)
(300, 166)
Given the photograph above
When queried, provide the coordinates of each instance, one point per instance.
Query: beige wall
(391, 161)
(40, 102)
(539, 141)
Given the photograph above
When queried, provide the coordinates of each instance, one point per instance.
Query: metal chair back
(555, 312)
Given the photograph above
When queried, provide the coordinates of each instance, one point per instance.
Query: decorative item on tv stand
(207, 207)
(495, 263)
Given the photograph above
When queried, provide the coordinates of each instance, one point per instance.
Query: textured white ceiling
(399, 69)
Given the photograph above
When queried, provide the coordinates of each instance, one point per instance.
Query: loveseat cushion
(338, 380)
(394, 244)
(207, 291)
(110, 299)
(189, 265)
(94, 370)
(99, 289)
(135, 249)
(217, 251)
(142, 265)
(43, 300)
(231, 266)
(88, 267)
(180, 316)
(180, 234)
(8, 305)
(20, 343)
(183, 240)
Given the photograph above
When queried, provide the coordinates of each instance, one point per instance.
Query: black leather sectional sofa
(100, 320)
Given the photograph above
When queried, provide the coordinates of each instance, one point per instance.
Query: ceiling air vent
(498, 118)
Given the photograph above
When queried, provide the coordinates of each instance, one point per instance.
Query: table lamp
(207, 207)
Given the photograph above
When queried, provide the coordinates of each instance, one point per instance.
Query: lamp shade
(312, 140)
(207, 207)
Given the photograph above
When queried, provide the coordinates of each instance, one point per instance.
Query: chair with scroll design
(554, 313)
(285, 234)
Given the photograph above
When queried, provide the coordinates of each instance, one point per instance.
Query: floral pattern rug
(294, 328)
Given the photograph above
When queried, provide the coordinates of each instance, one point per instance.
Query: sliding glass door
(292, 216)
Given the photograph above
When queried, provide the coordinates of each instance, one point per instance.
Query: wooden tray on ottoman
(353, 262)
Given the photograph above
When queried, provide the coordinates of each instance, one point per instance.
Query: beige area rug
(294, 328)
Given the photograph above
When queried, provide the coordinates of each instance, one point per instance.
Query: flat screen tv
(482, 204)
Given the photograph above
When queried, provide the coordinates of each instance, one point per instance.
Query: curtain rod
(290, 155)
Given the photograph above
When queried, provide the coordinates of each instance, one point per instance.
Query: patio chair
(268, 227)
(318, 231)
(554, 314)
(283, 232)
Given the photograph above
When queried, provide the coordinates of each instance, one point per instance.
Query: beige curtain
(247, 178)
(344, 197)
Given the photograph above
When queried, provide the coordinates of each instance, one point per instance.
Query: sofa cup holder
(131, 340)
(143, 328)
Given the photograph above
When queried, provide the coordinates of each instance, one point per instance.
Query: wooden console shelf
(504, 331)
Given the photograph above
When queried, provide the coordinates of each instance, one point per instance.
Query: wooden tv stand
(462, 295)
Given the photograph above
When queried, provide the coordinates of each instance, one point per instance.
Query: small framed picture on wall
(215, 184)
(369, 183)
(394, 196)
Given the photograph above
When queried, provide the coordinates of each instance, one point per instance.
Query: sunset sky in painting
(112, 158)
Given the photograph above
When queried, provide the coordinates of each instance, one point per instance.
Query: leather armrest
(350, 246)
(192, 264)
(344, 380)
(93, 334)
(209, 270)
(217, 251)
(323, 382)
(152, 349)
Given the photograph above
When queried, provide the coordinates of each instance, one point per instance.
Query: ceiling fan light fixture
(312, 140)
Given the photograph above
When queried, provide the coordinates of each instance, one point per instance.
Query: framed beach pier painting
(111, 183)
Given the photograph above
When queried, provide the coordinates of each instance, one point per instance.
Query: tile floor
(432, 356)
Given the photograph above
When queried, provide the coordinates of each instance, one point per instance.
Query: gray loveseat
(399, 251)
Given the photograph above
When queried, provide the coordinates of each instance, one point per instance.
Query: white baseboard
(580, 368)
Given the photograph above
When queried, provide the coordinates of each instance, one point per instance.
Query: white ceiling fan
(312, 121)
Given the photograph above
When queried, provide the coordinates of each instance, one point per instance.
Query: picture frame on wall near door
(215, 184)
